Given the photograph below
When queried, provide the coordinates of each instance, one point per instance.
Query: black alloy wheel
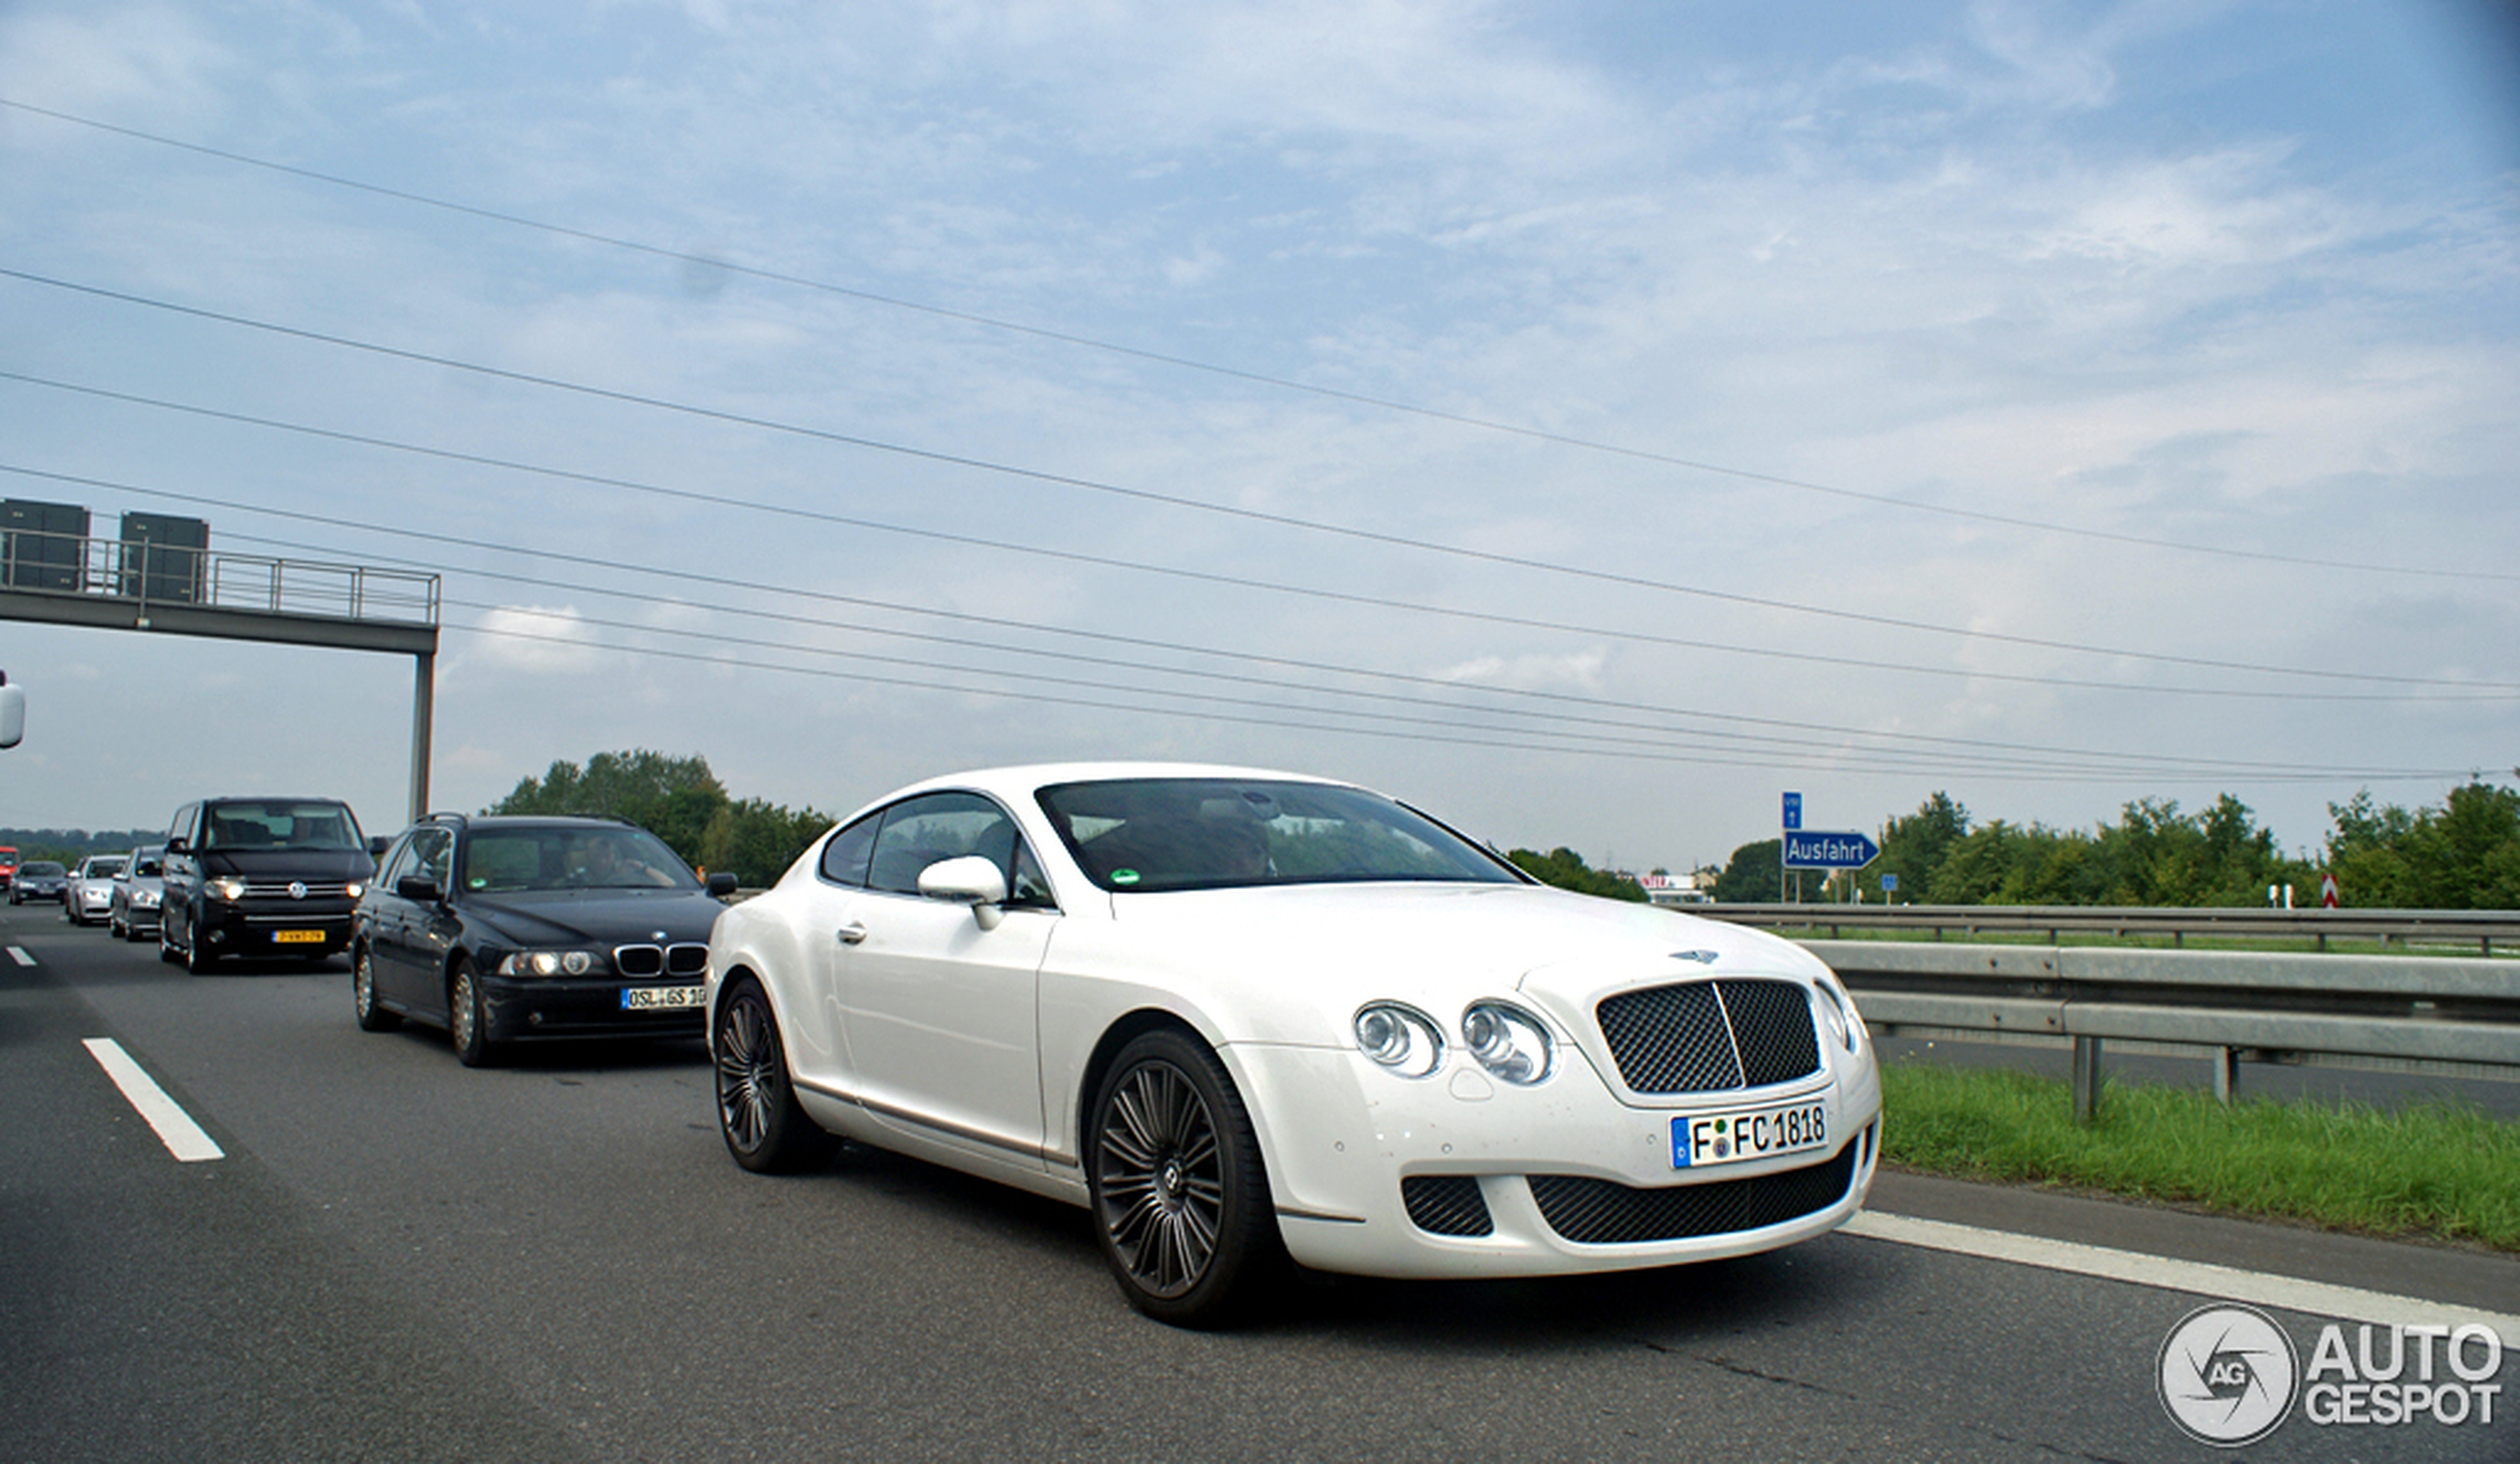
(372, 1018)
(764, 1128)
(1179, 1198)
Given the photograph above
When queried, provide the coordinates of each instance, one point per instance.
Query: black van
(261, 877)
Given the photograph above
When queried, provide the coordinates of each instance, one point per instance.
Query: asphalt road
(399, 1259)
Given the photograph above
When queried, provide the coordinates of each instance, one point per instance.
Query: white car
(91, 893)
(1244, 1016)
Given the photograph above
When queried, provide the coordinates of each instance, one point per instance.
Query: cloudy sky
(1586, 421)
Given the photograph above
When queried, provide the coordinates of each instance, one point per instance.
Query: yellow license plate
(297, 937)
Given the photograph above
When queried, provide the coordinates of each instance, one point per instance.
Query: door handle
(851, 933)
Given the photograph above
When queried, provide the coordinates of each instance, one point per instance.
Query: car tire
(468, 1025)
(114, 928)
(1178, 1192)
(166, 945)
(199, 958)
(372, 1018)
(764, 1128)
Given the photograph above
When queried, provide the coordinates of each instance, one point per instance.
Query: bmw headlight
(1400, 1038)
(1839, 1009)
(1510, 1042)
(548, 963)
(227, 887)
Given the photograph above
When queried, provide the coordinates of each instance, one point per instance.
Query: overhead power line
(1257, 378)
(823, 516)
(1177, 501)
(1891, 752)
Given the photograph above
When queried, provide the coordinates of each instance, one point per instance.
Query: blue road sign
(1828, 850)
(1793, 811)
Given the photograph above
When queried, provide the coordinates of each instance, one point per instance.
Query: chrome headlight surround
(1400, 1039)
(1837, 1009)
(1511, 1044)
(549, 963)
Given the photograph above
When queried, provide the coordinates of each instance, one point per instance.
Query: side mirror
(419, 888)
(970, 880)
(376, 845)
(179, 845)
(723, 884)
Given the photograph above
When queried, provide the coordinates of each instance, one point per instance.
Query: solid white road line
(2206, 1279)
(183, 1138)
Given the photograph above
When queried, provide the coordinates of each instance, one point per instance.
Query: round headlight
(1510, 1042)
(227, 887)
(1400, 1038)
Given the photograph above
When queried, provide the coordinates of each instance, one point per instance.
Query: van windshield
(280, 824)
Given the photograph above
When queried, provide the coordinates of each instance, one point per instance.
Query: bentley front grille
(1705, 1036)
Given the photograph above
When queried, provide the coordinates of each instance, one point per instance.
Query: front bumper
(567, 1007)
(258, 927)
(1459, 1175)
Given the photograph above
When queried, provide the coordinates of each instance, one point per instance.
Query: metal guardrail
(2478, 927)
(2397, 1009)
(143, 572)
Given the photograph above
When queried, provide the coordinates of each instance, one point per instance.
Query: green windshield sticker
(1124, 876)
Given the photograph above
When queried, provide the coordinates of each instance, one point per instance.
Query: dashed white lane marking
(17, 954)
(183, 1138)
(2204, 1278)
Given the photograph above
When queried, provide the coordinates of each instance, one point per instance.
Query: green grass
(2434, 1171)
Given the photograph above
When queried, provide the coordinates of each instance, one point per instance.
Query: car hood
(289, 864)
(1438, 946)
(533, 918)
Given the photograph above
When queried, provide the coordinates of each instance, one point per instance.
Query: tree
(1755, 875)
(680, 801)
(1566, 869)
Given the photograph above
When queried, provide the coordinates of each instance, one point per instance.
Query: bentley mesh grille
(1445, 1205)
(1597, 1212)
(1705, 1037)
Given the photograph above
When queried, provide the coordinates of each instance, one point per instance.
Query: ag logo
(2227, 1374)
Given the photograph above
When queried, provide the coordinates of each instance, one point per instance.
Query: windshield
(1203, 833)
(39, 867)
(145, 867)
(100, 869)
(559, 857)
(280, 824)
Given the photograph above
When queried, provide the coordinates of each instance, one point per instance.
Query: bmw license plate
(1729, 1138)
(297, 937)
(659, 998)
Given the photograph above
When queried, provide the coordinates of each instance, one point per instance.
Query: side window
(182, 827)
(1028, 887)
(435, 850)
(844, 857)
(396, 864)
(920, 831)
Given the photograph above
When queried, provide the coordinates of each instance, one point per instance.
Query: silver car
(91, 893)
(139, 886)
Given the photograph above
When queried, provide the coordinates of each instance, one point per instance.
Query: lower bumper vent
(1597, 1212)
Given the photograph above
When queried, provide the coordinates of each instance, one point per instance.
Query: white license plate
(655, 997)
(1729, 1138)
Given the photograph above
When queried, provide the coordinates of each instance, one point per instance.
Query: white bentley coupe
(1245, 1018)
